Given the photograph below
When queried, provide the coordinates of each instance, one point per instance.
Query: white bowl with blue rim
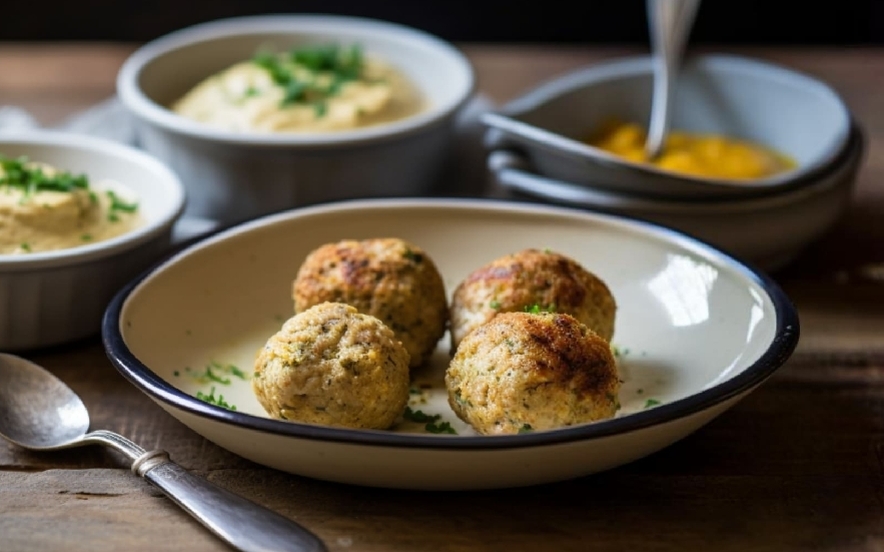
(696, 331)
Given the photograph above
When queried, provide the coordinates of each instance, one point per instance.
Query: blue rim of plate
(782, 345)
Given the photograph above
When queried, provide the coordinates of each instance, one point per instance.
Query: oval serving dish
(696, 331)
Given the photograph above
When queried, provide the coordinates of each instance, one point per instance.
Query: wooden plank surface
(798, 465)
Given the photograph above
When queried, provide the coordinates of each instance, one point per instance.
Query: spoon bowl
(39, 412)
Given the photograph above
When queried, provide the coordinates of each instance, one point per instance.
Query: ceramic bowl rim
(782, 344)
(137, 102)
(172, 190)
(851, 158)
(629, 66)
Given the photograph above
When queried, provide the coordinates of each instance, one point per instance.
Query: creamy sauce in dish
(43, 208)
(316, 88)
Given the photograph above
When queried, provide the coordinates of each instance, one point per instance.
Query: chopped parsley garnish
(494, 304)
(412, 256)
(212, 399)
(25, 247)
(19, 173)
(30, 178)
(651, 402)
(526, 428)
(619, 351)
(214, 377)
(444, 427)
(335, 64)
(430, 421)
(458, 397)
(216, 372)
(117, 204)
(86, 237)
(230, 369)
(537, 309)
(344, 62)
(419, 416)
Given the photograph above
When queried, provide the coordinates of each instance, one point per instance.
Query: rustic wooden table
(798, 465)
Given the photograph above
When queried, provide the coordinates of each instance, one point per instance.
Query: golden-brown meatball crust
(333, 365)
(528, 278)
(389, 278)
(523, 371)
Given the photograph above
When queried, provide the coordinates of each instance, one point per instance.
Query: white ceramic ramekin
(233, 176)
(54, 297)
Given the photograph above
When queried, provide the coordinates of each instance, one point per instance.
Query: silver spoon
(670, 23)
(39, 412)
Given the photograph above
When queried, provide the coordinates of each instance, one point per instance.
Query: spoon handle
(670, 24)
(242, 523)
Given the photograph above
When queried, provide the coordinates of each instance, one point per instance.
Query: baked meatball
(542, 280)
(389, 278)
(522, 371)
(333, 365)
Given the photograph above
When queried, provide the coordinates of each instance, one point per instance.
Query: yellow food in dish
(43, 208)
(313, 88)
(702, 155)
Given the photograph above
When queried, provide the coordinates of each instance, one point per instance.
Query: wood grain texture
(798, 465)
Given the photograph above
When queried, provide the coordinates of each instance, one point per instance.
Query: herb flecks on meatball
(332, 365)
(523, 372)
(531, 280)
(389, 278)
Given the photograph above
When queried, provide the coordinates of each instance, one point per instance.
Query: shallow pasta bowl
(696, 331)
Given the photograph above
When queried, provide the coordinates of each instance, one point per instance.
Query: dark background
(825, 22)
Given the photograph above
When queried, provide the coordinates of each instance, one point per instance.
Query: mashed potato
(43, 208)
(389, 278)
(523, 372)
(313, 88)
(332, 365)
(531, 279)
